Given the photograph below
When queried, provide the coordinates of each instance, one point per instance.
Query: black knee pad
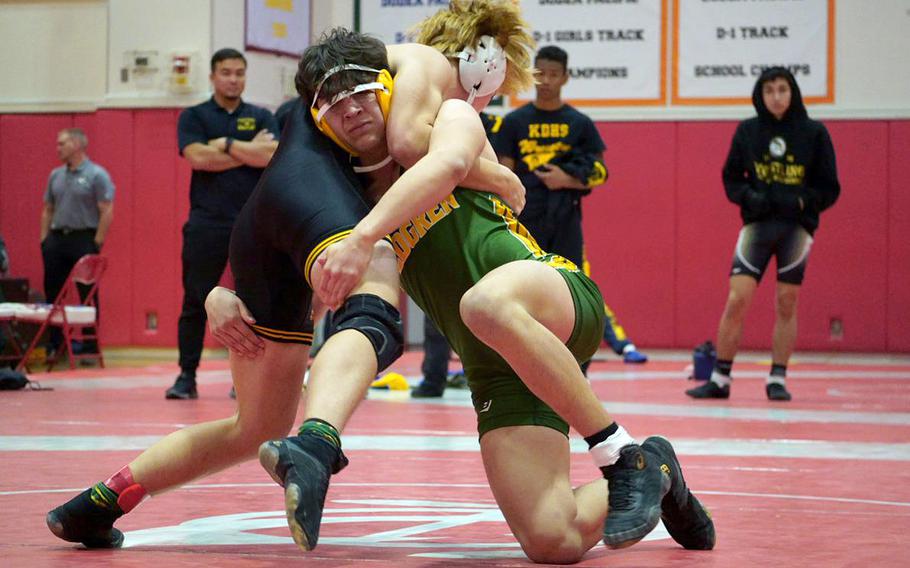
(375, 318)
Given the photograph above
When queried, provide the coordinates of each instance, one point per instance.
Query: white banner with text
(722, 46)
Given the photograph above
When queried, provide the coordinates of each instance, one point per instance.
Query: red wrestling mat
(821, 481)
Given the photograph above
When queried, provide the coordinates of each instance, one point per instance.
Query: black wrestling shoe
(777, 391)
(82, 519)
(687, 520)
(428, 390)
(636, 489)
(184, 388)
(710, 390)
(299, 465)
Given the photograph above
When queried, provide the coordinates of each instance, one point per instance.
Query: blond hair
(461, 25)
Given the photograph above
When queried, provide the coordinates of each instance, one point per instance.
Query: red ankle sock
(129, 493)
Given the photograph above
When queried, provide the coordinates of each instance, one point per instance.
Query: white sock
(720, 379)
(629, 347)
(607, 452)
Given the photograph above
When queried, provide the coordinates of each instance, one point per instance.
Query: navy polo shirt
(217, 197)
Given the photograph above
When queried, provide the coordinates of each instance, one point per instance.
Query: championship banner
(615, 47)
(278, 26)
(722, 46)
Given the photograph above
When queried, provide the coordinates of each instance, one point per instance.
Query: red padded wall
(660, 233)
(27, 156)
(628, 223)
(847, 273)
(707, 227)
(156, 233)
(898, 208)
(110, 133)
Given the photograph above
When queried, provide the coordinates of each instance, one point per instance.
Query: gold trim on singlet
(282, 335)
(520, 232)
(324, 244)
(317, 250)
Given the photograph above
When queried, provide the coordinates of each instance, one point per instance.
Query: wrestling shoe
(687, 521)
(426, 389)
(777, 391)
(634, 357)
(636, 489)
(710, 390)
(86, 520)
(299, 464)
(184, 388)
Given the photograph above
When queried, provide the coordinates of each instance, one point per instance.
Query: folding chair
(72, 314)
(7, 316)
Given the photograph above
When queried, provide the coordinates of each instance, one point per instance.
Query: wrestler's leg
(339, 377)
(528, 471)
(347, 363)
(268, 390)
(529, 327)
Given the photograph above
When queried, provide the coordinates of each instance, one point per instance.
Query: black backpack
(14, 380)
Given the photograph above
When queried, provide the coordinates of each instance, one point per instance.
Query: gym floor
(823, 480)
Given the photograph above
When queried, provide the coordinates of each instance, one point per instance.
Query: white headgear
(482, 68)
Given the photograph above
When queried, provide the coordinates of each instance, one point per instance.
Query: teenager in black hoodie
(781, 172)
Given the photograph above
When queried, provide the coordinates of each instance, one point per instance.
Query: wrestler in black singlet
(307, 199)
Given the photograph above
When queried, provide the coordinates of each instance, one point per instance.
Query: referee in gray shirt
(78, 210)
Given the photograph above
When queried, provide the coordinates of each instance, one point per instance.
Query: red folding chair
(71, 313)
(7, 317)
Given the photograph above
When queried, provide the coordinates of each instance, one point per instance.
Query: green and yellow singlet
(448, 249)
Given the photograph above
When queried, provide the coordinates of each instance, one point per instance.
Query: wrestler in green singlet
(449, 249)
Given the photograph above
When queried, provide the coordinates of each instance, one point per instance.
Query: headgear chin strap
(372, 168)
(482, 68)
(382, 86)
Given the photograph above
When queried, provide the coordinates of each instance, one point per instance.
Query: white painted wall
(68, 55)
(52, 52)
(873, 39)
(162, 27)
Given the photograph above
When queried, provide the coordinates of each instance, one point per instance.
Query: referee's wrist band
(228, 142)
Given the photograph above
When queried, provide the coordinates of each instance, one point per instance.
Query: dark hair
(553, 53)
(226, 53)
(338, 47)
(797, 108)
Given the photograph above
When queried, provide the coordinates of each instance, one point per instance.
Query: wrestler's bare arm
(418, 189)
(424, 78)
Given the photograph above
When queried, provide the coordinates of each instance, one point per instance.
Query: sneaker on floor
(634, 356)
(457, 380)
(685, 518)
(777, 391)
(184, 388)
(710, 390)
(82, 519)
(427, 389)
(636, 490)
(294, 465)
